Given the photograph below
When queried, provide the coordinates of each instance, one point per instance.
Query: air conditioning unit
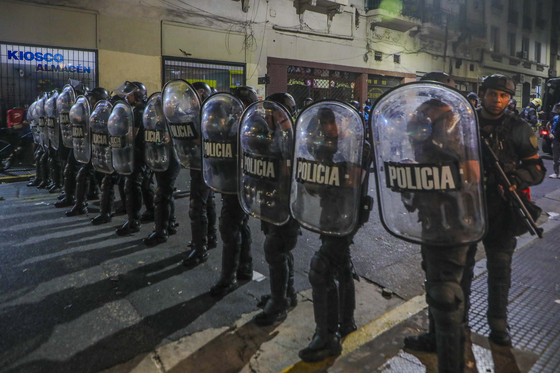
(521, 78)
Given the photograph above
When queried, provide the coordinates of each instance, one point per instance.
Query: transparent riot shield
(66, 99)
(220, 114)
(181, 107)
(428, 165)
(81, 131)
(33, 124)
(52, 121)
(327, 172)
(42, 122)
(122, 133)
(101, 153)
(158, 145)
(265, 161)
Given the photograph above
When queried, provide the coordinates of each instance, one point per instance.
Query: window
(511, 43)
(495, 39)
(471, 67)
(378, 56)
(396, 58)
(538, 52)
(525, 48)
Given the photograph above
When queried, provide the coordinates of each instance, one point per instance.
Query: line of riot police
(311, 174)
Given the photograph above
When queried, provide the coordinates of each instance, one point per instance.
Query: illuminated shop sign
(46, 59)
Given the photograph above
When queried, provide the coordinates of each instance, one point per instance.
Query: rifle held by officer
(509, 191)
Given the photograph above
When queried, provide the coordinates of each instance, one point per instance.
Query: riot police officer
(136, 95)
(515, 145)
(267, 140)
(473, 99)
(237, 261)
(328, 193)
(161, 158)
(201, 206)
(530, 113)
(86, 174)
(64, 103)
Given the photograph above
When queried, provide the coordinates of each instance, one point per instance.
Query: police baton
(511, 195)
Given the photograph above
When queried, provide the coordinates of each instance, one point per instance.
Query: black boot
(450, 339)
(78, 209)
(347, 302)
(212, 239)
(44, 172)
(106, 202)
(37, 180)
(131, 226)
(147, 216)
(56, 172)
(499, 331)
(65, 202)
(161, 217)
(425, 342)
(276, 308)
(230, 262)
(196, 256)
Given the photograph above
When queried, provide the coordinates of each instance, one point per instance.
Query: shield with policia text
(181, 107)
(428, 165)
(66, 99)
(53, 128)
(41, 117)
(121, 137)
(220, 117)
(33, 124)
(265, 161)
(101, 151)
(327, 172)
(158, 145)
(81, 133)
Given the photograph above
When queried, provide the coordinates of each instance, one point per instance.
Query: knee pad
(82, 175)
(444, 296)
(131, 184)
(274, 253)
(229, 230)
(319, 270)
(163, 197)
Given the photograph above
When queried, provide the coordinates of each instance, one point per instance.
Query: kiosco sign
(44, 59)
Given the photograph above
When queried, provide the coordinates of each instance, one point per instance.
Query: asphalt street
(78, 298)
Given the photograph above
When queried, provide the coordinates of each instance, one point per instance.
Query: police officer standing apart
(515, 145)
(135, 94)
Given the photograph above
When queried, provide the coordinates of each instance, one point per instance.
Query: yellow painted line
(15, 177)
(365, 334)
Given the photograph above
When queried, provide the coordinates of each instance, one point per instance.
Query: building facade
(343, 49)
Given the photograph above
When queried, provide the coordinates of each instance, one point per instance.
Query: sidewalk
(534, 317)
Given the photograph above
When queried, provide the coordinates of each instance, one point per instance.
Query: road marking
(366, 333)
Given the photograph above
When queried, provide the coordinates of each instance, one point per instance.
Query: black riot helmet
(356, 105)
(97, 94)
(139, 90)
(513, 102)
(217, 120)
(203, 90)
(368, 102)
(323, 139)
(214, 90)
(284, 99)
(473, 97)
(247, 95)
(498, 82)
(78, 86)
(308, 101)
(258, 137)
(439, 76)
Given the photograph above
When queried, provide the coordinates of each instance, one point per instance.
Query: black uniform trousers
(164, 208)
(133, 190)
(200, 203)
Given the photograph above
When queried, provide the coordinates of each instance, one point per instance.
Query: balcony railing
(527, 23)
(408, 8)
(513, 17)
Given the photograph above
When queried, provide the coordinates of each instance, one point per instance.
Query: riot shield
(66, 99)
(101, 154)
(327, 175)
(33, 123)
(40, 116)
(265, 159)
(428, 165)
(181, 107)
(52, 121)
(220, 118)
(122, 132)
(158, 146)
(81, 131)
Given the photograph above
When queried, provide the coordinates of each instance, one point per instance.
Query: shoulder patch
(534, 141)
